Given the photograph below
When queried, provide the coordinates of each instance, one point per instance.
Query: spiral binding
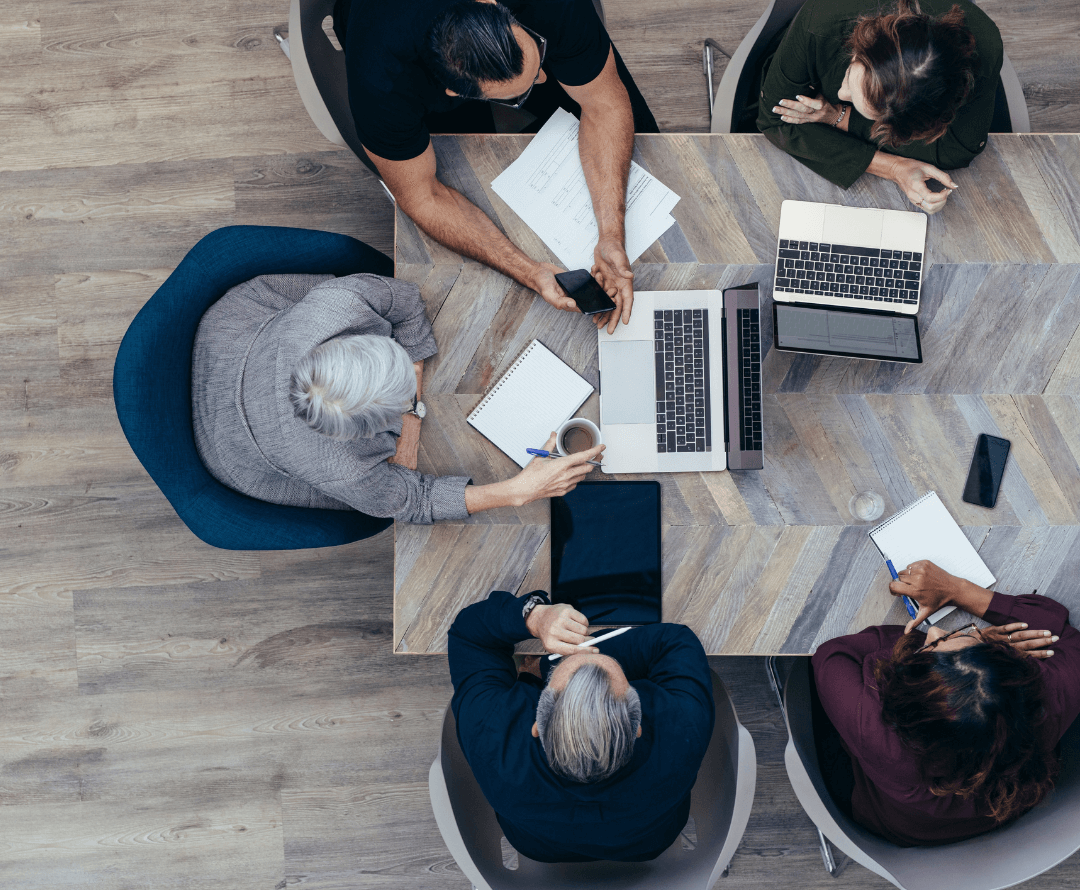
(907, 509)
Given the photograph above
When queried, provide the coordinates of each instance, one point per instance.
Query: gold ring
(1010, 638)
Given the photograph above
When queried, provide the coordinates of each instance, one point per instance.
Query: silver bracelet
(843, 111)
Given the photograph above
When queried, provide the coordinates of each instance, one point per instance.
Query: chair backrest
(1035, 842)
(720, 805)
(152, 386)
(732, 95)
(1010, 107)
(319, 70)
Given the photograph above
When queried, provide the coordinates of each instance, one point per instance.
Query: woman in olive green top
(904, 94)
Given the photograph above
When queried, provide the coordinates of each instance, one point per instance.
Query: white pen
(599, 639)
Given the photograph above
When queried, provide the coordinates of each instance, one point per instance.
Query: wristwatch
(534, 600)
(418, 408)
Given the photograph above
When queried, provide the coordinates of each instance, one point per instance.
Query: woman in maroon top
(952, 735)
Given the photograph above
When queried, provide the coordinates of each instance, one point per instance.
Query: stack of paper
(546, 187)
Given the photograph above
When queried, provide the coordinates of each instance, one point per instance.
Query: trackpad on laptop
(628, 382)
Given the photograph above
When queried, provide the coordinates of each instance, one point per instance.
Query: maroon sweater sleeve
(1061, 672)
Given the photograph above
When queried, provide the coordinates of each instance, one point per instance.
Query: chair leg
(774, 680)
(283, 42)
(826, 854)
(707, 64)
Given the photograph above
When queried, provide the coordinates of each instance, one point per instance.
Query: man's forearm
(606, 142)
(454, 221)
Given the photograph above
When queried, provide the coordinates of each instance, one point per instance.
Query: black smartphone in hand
(585, 291)
(987, 468)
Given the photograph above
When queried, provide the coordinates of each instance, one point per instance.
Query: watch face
(421, 409)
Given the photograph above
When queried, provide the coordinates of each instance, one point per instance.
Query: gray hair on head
(353, 386)
(586, 730)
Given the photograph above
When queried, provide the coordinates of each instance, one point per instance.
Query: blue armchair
(152, 386)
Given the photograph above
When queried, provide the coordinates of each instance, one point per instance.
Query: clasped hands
(560, 628)
(911, 175)
(611, 269)
(932, 588)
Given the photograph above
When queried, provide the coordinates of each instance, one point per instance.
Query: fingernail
(1046, 633)
(596, 651)
(1023, 627)
(1054, 639)
(1049, 652)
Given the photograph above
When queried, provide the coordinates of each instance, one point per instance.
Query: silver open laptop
(861, 257)
(680, 384)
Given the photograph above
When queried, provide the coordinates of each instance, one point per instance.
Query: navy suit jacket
(633, 815)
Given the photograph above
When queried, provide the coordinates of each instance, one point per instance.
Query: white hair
(354, 386)
(587, 731)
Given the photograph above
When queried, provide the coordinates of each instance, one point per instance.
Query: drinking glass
(866, 506)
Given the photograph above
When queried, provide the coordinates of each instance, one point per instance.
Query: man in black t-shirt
(422, 66)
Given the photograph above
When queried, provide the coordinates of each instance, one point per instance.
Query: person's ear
(536, 731)
(639, 731)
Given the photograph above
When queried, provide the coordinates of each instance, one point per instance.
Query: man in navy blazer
(589, 757)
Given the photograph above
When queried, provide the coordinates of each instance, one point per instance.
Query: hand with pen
(554, 477)
(542, 478)
(930, 587)
(560, 628)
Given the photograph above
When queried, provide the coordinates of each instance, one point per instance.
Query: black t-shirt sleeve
(577, 42)
(389, 124)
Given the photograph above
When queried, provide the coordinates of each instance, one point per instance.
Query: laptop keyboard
(749, 338)
(683, 409)
(856, 273)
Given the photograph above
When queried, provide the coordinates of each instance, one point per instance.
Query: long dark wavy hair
(974, 718)
(919, 70)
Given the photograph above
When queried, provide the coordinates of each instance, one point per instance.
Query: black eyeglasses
(970, 630)
(518, 101)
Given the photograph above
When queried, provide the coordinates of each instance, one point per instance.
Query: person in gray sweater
(305, 391)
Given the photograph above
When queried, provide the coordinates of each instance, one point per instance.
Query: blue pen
(539, 452)
(911, 610)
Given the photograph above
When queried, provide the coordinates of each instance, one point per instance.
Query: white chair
(1035, 842)
(719, 805)
(732, 94)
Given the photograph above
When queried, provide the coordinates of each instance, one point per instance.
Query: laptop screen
(846, 332)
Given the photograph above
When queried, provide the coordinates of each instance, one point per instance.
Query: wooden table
(771, 561)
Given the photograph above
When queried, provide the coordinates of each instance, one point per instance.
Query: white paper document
(546, 187)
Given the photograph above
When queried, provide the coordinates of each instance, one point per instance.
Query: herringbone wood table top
(771, 561)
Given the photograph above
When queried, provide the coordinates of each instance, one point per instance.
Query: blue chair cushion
(152, 386)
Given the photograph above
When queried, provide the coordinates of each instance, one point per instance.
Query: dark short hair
(473, 41)
(975, 719)
(920, 70)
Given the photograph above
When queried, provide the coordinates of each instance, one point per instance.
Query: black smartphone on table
(987, 468)
(586, 291)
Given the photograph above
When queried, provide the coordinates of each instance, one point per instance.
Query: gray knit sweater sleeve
(406, 495)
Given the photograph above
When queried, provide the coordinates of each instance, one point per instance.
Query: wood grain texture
(136, 749)
(771, 561)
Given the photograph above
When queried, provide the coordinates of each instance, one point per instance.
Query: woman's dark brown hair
(919, 71)
(974, 717)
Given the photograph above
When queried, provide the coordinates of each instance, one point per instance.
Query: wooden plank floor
(178, 716)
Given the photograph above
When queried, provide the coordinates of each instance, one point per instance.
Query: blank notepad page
(926, 530)
(536, 396)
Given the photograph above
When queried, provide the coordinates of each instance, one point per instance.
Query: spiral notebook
(926, 530)
(535, 396)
